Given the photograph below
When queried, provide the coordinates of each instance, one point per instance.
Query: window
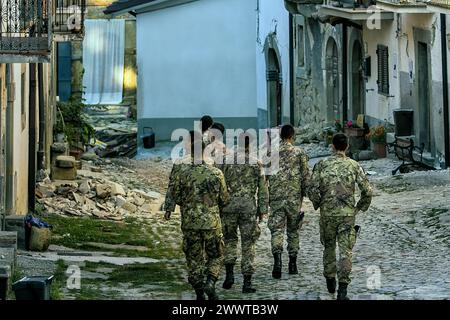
(300, 46)
(383, 69)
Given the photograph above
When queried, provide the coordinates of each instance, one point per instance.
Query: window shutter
(64, 70)
(383, 69)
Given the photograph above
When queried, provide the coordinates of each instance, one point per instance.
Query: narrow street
(405, 239)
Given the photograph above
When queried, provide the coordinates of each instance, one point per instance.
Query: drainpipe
(344, 73)
(41, 152)
(9, 146)
(32, 140)
(445, 88)
(291, 69)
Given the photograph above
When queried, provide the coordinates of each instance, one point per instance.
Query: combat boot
(247, 288)
(331, 284)
(276, 272)
(342, 291)
(293, 265)
(210, 288)
(229, 278)
(200, 294)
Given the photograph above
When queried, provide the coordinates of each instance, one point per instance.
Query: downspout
(445, 88)
(32, 140)
(42, 108)
(344, 73)
(291, 70)
(9, 147)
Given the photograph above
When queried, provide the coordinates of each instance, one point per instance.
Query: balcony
(68, 19)
(25, 35)
(439, 6)
(354, 11)
(403, 6)
(302, 6)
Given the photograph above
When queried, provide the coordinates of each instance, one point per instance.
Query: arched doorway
(274, 88)
(332, 81)
(357, 104)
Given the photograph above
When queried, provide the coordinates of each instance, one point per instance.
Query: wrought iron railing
(69, 16)
(24, 26)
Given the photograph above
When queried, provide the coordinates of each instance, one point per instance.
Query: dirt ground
(402, 251)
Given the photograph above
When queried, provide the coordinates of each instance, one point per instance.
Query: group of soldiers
(217, 199)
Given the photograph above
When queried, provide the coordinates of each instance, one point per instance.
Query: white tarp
(103, 60)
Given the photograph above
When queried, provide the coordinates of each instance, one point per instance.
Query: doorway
(424, 96)
(357, 81)
(274, 87)
(332, 81)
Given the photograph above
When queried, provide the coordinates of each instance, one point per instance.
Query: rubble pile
(93, 194)
(115, 142)
(309, 133)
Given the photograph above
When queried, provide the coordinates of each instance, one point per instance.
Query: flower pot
(379, 148)
(354, 132)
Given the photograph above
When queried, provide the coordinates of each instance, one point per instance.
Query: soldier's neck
(340, 153)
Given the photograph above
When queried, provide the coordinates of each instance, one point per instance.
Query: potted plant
(352, 130)
(377, 136)
(73, 123)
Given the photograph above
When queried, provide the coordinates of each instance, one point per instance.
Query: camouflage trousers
(285, 218)
(204, 254)
(340, 230)
(250, 232)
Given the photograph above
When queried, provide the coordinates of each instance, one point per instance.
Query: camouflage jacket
(333, 186)
(247, 187)
(201, 193)
(291, 181)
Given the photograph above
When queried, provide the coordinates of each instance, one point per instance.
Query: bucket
(148, 138)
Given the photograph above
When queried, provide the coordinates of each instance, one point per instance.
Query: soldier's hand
(167, 215)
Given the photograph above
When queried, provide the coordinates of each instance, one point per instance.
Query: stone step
(8, 239)
(16, 223)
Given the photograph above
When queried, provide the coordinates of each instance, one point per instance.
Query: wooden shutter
(64, 70)
(383, 69)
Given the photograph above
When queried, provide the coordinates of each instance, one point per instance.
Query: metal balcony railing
(69, 16)
(24, 26)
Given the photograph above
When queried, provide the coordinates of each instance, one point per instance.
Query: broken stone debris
(93, 194)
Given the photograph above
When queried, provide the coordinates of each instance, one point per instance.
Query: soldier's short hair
(287, 132)
(196, 138)
(218, 126)
(207, 122)
(247, 138)
(340, 141)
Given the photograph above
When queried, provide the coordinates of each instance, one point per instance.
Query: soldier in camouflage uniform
(248, 203)
(333, 191)
(287, 187)
(201, 193)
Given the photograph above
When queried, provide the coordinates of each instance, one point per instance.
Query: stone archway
(332, 81)
(274, 81)
(357, 81)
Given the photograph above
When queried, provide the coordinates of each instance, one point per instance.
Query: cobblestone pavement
(402, 251)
